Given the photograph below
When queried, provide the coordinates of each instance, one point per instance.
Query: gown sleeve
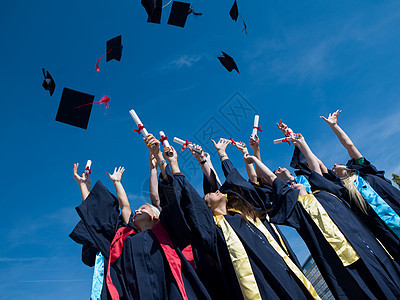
(284, 204)
(100, 215)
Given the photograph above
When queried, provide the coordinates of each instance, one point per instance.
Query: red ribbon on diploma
(258, 128)
(185, 145)
(232, 141)
(87, 169)
(286, 140)
(140, 128)
(163, 138)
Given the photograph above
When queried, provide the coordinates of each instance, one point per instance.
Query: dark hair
(245, 208)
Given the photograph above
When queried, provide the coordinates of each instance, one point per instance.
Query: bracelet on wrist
(222, 155)
(159, 163)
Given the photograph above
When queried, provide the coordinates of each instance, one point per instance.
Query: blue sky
(298, 61)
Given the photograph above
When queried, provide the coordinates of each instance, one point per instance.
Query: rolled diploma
(162, 134)
(88, 166)
(137, 121)
(278, 141)
(256, 119)
(182, 142)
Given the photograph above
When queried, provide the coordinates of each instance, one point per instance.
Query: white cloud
(183, 61)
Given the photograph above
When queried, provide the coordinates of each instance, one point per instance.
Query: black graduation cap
(48, 82)
(228, 62)
(114, 48)
(75, 108)
(179, 13)
(153, 9)
(234, 12)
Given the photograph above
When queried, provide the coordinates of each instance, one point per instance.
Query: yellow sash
(292, 266)
(330, 231)
(240, 260)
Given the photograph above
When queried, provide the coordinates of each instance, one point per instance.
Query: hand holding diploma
(164, 141)
(88, 167)
(256, 128)
(185, 144)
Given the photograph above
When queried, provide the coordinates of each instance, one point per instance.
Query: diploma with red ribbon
(289, 136)
(164, 140)
(256, 128)
(185, 144)
(88, 166)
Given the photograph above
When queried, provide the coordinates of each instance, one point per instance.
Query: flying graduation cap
(48, 82)
(180, 12)
(153, 9)
(75, 108)
(234, 13)
(228, 62)
(113, 50)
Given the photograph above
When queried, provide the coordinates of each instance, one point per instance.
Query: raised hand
(117, 175)
(172, 158)
(254, 142)
(332, 118)
(221, 145)
(150, 140)
(282, 127)
(199, 156)
(242, 147)
(298, 140)
(83, 179)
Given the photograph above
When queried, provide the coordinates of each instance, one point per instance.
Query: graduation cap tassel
(167, 4)
(104, 100)
(97, 63)
(191, 11)
(244, 25)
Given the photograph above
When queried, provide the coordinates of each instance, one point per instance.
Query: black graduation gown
(382, 186)
(274, 278)
(142, 271)
(258, 195)
(374, 275)
(80, 235)
(371, 219)
(374, 223)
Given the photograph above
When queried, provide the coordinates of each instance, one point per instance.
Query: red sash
(166, 244)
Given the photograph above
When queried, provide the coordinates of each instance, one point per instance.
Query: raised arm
(205, 165)
(154, 147)
(249, 166)
(266, 173)
(173, 160)
(342, 136)
(221, 148)
(153, 187)
(83, 182)
(312, 160)
(121, 195)
(255, 145)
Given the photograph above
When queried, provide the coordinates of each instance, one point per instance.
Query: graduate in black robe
(367, 171)
(272, 276)
(355, 268)
(141, 261)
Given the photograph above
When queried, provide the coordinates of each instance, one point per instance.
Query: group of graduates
(226, 245)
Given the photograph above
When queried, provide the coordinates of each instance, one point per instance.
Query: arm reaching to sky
(150, 140)
(83, 181)
(153, 187)
(342, 136)
(265, 172)
(205, 165)
(221, 148)
(121, 195)
(249, 166)
(255, 145)
(312, 160)
(173, 160)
